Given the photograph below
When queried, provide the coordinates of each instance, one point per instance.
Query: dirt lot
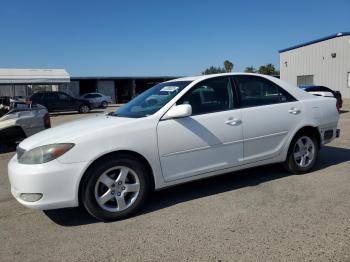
(262, 214)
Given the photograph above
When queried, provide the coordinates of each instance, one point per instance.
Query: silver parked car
(97, 99)
(22, 121)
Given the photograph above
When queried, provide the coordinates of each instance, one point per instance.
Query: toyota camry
(175, 132)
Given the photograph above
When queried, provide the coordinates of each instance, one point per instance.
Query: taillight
(29, 103)
(338, 107)
(47, 122)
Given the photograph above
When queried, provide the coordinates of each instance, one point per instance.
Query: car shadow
(329, 156)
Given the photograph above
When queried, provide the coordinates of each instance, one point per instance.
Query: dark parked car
(322, 91)
(60, 101)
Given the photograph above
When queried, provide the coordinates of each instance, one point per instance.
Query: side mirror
(178, 111)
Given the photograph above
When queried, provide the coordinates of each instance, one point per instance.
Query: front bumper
(58, 183)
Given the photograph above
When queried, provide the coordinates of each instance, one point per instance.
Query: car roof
(292, 89)
(203, 77)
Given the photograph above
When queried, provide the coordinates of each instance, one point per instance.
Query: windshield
(151, 100)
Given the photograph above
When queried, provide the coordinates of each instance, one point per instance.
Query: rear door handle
(294, 111)
(233, 122)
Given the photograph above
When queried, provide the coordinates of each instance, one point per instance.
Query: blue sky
(128, 38)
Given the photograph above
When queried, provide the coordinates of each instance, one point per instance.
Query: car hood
(69, 132)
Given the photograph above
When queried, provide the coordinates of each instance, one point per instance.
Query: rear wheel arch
(114, 155)
(308, 151)
(311, 130)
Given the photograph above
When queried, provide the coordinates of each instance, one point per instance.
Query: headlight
(43, 154)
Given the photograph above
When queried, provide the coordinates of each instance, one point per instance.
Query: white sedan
(97, 99)
(177, 131)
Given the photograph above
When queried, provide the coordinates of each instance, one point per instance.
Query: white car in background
(177, 131)
(22, 121)
(97, 99)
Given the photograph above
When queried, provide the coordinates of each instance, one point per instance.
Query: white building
(324, 61)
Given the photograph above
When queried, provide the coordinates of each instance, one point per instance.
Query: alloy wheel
(117, 189)
(304, 151)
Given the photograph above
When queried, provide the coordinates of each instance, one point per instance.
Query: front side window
(209, 96)
(150, 101)
(258, 91)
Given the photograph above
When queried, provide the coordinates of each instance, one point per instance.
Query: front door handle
(294, 111)
(233, 122)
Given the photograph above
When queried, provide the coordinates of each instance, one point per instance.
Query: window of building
(258, 91)
(209, 96)
(305, 80)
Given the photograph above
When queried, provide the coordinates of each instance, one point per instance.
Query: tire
(83, 109)
(109, 181)
(104, 104)
(302, 154)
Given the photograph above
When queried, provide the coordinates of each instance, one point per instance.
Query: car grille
(20, 152)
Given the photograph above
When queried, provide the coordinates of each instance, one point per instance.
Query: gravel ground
(261, 214)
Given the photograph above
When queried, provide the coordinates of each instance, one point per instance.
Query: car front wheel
(115, 188)
(302, 154)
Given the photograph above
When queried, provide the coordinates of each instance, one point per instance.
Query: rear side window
(258, 91)
(209, 96)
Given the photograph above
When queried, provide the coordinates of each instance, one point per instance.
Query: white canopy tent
(32, 76)
(20, 82)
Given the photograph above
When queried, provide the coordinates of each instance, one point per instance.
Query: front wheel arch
(116, 154)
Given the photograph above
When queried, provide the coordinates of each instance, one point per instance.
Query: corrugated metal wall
(14, 90)
(316, 59)
(107, 88)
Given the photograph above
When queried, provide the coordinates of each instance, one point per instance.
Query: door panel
(266, 129)
(203, 143)
(211, 139)
(269, 114)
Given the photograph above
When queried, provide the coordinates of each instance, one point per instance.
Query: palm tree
(228, 66)
(250, 69)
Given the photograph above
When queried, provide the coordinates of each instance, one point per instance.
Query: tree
(250, 69)
(213, 70)
(228, 66)
(268, 69)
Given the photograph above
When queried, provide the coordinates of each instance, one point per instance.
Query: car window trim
(217, 77)
(264, 79)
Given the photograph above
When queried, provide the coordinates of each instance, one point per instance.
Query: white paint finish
(206, 139)
(178, 111)
(316, 59)
(265, 129)
(178, 150)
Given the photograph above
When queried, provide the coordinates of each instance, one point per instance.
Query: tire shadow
(328, 156)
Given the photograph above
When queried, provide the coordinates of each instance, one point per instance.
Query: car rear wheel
(302, 154)
(115, 189)
(84, 109)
